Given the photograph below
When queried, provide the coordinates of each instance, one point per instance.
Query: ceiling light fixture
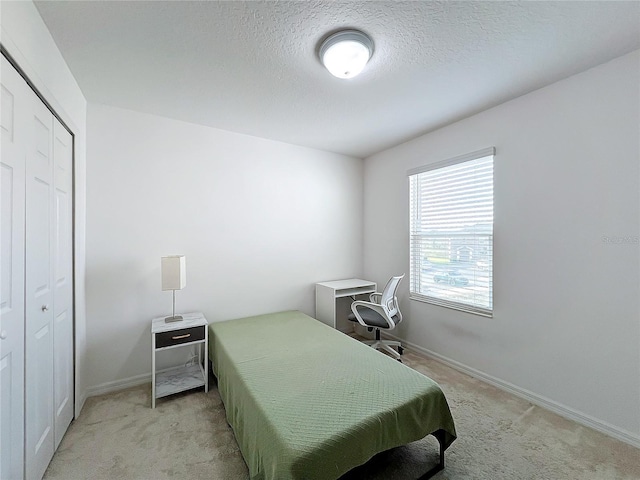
(346, 53)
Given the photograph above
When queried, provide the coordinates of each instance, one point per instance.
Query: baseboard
(562, 410)
(116, 385)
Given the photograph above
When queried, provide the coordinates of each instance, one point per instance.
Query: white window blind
(451, 233)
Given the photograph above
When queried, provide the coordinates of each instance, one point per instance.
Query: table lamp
(174, 277)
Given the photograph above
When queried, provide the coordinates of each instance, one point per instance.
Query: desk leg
(326, 305)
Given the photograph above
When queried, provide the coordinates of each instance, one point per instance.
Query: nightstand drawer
(176, 337)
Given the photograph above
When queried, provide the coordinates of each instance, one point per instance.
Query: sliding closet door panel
(13, 131)
(63, 284)
(39, 293)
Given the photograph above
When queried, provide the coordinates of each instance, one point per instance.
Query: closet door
(39, 292)
(63, 286)
(13, 133)
(36, 283)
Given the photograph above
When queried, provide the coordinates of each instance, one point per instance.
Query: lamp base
(175, 318)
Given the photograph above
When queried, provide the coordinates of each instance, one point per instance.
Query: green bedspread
(309, 402)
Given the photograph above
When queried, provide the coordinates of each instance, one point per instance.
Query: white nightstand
(192, 330)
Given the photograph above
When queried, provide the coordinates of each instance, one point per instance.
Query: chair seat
(373, 318)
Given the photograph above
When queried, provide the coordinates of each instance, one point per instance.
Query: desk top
(193, 319)
(348, 284)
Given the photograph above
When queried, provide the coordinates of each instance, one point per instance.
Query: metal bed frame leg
(440, 466)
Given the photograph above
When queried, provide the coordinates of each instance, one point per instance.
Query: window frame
(436, 300)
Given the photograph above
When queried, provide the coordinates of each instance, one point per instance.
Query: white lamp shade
(174, 272)
(346, 53)
(346, 59)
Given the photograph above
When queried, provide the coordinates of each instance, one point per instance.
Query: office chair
(381, 312)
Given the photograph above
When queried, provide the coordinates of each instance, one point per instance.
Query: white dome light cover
(346, 53)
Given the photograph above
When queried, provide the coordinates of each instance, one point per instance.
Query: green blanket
(309, 402)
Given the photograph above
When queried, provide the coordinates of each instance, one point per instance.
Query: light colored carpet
(118, 436)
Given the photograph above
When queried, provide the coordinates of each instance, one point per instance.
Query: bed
(308, 402)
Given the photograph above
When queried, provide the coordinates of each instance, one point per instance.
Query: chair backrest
(389, 299)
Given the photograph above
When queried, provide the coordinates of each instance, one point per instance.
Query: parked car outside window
(452, 278)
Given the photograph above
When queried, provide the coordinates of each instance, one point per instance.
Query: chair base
(386, 345)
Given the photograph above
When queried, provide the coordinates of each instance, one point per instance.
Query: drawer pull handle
(178, 337)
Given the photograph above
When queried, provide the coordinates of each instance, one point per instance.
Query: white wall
(566, 325)
(27, 40)
(259, 222)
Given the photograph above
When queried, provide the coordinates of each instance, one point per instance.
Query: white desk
(333, 311)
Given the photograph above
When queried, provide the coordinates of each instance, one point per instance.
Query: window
(451, 233)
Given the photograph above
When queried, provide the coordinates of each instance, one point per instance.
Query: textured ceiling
(252, 67)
